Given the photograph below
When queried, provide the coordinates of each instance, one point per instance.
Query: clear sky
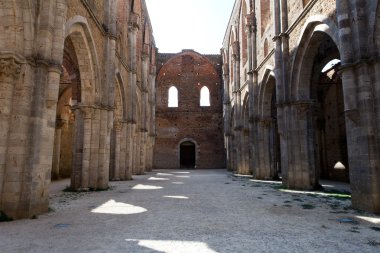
(189, 24)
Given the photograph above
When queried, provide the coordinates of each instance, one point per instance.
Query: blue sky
(189, 24)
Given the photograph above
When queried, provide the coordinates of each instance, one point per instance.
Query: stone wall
(303, 125)
(189, 72)
(73, 75)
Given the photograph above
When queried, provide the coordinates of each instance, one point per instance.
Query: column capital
(10, 66)
(134, 22)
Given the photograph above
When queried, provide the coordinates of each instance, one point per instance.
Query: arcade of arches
(293, 96)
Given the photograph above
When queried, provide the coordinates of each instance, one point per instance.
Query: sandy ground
(193, 211)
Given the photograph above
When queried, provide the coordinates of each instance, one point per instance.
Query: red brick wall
(189, 72)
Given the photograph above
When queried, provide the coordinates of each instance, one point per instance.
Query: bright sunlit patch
(330, 65)
(164, 174)
(176, 197)
(241, 175)
(146, 187)
(205, 97)
(183, 176)
(177, 183)
(267, 182)
(113, 207)
(342, 196)
(369, 219)
(173, 97)
(158, 179)
(181, 172)
(339, 166)
(174, 246)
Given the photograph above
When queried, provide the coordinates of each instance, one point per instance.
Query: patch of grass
(260, 197)
(278, 187)
(287, 201)
(298, 200)
(338, 195)
(375, 229)
(4, 217)
(307, 206)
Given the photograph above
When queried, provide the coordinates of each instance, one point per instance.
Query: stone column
(227, 113)
(57, 148)
(117, 163)
(251, 27)
(237, 103)
(360, 82)
(10, 69)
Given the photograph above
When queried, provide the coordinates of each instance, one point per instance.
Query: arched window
(205, 96)
(173, 97)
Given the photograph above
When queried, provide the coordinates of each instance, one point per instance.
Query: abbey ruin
(84, 93)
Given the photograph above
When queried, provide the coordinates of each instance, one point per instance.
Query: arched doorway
(319, 128)
(187, 154)
(330, 127)
(69, 94)
(269, 153)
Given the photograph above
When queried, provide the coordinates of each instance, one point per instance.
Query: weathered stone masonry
(301, 123)
(76, 96)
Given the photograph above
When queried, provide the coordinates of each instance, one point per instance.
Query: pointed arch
(173, 97)
(315, 26)
(265, 90)
(205, 97)
(77, 30)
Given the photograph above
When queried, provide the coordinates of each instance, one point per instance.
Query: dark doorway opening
(187, 155)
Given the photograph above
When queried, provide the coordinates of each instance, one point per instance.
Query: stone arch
(314, 26)
(196, 151)
(121, 88)
(80, 62)
(317, 97)
(265, 92)
(268, 160)
(205, 96)
(77, 30)
(117, 138)
(173, 96)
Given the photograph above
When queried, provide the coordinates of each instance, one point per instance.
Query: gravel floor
(194, 211)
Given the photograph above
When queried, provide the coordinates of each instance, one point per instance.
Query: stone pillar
(251, 27)
(57, 148)
(302, 173)
(117, 163)
(227, 114)
(129, 147)
(10, 69)
(360, 82)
